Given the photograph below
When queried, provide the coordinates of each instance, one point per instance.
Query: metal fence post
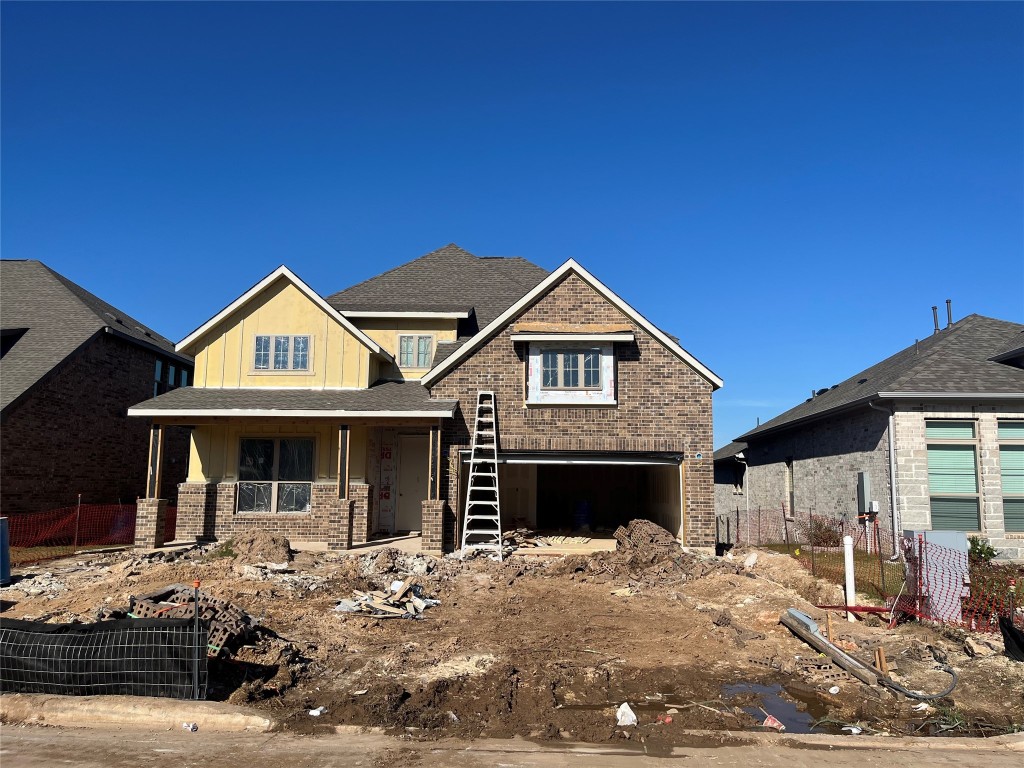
(881, 560)
(78, 519)
(785, 529)
(195, 640)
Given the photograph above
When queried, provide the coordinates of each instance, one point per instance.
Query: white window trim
(274, 483)
(415, 350)
(538, 396)
(307, 371)
(974, 443)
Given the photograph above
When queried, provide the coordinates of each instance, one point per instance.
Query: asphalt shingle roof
(449, 279)
(950, 362)
(59, 317)
(406, 396)
(730, 450)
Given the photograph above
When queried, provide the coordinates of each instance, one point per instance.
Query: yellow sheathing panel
(336, 357)
(357, 453)
(385, 331)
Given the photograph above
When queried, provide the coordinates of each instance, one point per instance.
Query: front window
(415, 351)
(953, 475)
(281, 353)
(562, 369)
(275, 474)
(1011, 469)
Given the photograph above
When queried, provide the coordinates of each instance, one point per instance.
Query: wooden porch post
(343, 463)
(433, 473)
(156, 455)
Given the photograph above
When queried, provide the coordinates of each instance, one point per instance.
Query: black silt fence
(134, 657)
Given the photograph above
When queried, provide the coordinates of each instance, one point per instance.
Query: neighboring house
(331, 420)
(730, 479)
(934, 435)
(71, 366)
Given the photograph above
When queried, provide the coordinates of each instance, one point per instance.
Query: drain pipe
(891, 413)
(746, 490)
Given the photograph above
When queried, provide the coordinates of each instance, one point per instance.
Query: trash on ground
(404, 599)
(773, 722)
(193, 727)
(853, 729)
(317, 712)
(834, 690)
(625, 714)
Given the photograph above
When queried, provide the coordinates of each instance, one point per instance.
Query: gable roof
(526, 301)
(730, 451)
(266, 282)
(58, 316)
(449, 279)
(954, 363)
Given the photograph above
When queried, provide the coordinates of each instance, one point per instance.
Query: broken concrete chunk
(750, 560)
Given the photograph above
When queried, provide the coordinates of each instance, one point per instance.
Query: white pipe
(851, 594)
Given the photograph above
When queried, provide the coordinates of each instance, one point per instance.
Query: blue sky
(786, 187)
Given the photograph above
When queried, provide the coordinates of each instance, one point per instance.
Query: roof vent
(861, 381)
(821, 392)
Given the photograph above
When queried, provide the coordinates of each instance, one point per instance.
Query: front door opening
(413, 460)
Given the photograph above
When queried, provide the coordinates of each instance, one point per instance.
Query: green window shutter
(1011, 430)
(1011, 462)
(955, 515)
(1013, 515)
(951, 469)
(949, 430)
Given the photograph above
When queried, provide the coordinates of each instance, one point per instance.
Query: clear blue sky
(786, 187)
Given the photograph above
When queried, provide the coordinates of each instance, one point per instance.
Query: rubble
(258, 546)
(282, 574)
(404, 599)
(44, 585)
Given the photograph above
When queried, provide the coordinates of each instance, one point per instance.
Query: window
(953, 475)
(1011, 468)
(415, 351)
(167, 376)
(275, 474)
(158, 378)
(571, 369)
(281, 353)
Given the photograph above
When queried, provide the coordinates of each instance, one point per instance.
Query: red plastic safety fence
(911, 577)
(60, 532)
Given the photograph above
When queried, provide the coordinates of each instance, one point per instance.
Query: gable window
(953, 475)
(275, 474)
(166, 376)
(561, 373)
(415, 351)
(281, 353)
(1011, 469)
(571, 369)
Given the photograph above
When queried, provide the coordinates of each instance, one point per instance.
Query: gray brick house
(71, 366)
(933, 435)
(331, 419)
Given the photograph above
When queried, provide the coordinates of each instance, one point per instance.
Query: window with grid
(275, 474)
(281, 353)
(571, 369)
(953, 475)
(415, 351)
(1011, 469)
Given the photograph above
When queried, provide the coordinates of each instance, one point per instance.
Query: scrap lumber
(801, 625)
(405, 600)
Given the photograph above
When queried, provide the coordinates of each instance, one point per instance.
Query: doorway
(412, 481)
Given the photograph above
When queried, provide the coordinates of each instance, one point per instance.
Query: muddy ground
(546, 647)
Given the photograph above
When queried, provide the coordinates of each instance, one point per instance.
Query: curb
(136, 711)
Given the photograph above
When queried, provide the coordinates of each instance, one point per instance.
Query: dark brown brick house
(334, 419)
(71, 367)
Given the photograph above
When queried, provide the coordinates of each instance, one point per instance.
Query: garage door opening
(589, 495)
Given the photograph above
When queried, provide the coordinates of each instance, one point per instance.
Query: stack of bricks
(149, 523)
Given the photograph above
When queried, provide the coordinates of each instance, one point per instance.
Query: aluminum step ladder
(481, 522)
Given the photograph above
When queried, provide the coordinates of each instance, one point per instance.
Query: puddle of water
(769, 698)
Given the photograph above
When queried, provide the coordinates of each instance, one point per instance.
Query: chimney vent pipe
(935, 317)
(949, 313)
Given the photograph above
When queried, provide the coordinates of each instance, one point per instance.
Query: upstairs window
(281, 353)
(415, 351)
(166, 376)
(571, 369)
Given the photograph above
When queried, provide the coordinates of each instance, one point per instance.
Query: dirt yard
(546, 647)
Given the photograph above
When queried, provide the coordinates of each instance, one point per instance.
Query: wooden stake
(883, 663)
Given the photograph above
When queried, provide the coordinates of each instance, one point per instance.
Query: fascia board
(543, 287)
(281, 413)
(572, 337)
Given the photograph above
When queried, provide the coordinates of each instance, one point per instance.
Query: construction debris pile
(229, 625)
(402, 600)
(524, 538)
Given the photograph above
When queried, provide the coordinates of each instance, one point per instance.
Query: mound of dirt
(255, 546)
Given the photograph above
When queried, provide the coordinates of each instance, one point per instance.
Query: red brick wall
(72, 435)
(663, 404)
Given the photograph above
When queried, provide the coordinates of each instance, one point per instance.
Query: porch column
(343, 462)
(156, 455)
(434, 467)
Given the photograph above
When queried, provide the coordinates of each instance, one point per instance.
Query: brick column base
(362, 512)
(150, 516)
(433, 525)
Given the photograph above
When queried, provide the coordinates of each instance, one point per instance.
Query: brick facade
(362, 512)
(206, 512)
(150, 516)
(434, 539)
(71, 435)
(663, 405)
(826, 457)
